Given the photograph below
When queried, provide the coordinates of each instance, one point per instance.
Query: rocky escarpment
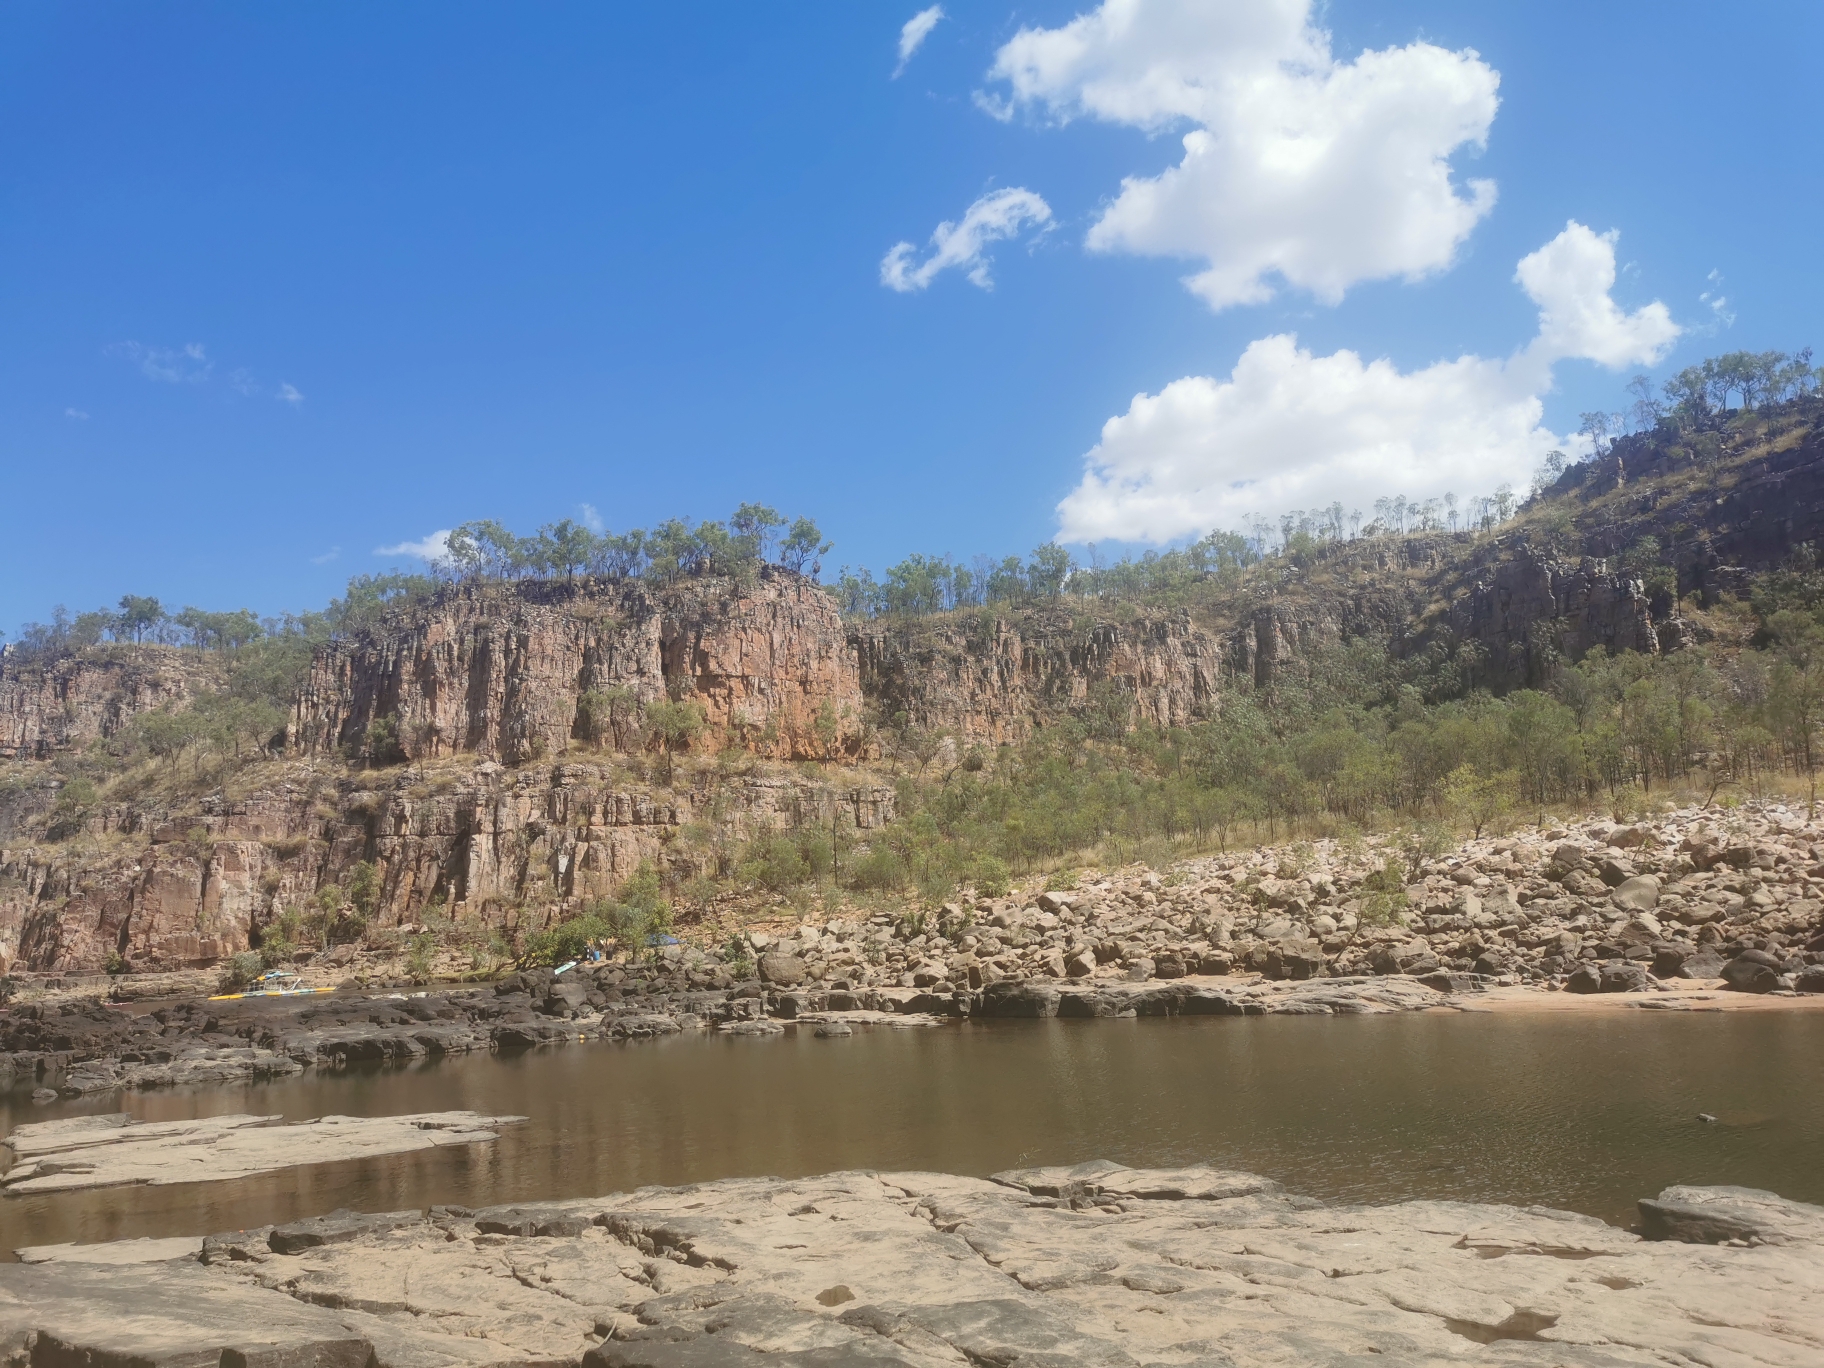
(1724, 505)
(48, 706)
(1096, 1264)
(510, 849)
(500, 670)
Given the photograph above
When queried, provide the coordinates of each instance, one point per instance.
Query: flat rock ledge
(1097, 1266)
(114, 1150)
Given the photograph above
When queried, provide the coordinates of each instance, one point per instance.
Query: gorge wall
(514, 848)
(496, 799)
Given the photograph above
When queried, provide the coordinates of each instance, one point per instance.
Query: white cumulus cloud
(431, 549)
(288, 394)
(994, 217)
(1298, 167)
(913, 33)
(1288, 429)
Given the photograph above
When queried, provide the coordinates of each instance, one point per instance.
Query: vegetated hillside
(486, 758)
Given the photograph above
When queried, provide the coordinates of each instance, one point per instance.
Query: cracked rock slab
(1092, 1266)
(115, 1150)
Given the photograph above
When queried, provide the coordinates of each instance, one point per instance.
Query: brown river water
(1586, 1112)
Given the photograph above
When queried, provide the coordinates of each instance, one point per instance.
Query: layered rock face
(1525, 611)
(1096, 1264)
(489, 842)
(992, 678)
(67, 703)
(500, 670)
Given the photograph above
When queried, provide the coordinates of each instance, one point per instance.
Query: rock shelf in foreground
(1048, 1268)
(114, 1150)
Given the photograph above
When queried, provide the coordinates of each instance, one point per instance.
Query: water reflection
(1587, 1113)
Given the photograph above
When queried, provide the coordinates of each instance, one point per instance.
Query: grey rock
(1639, 894)
(1705, 964)
(1623, 977)
(113, 1150)
(1749, 973)
(339, 1227)
(165, 1315)
(1615, 873)
(1019, 998)
(786, 971)
(1585, 978)
(1711, 1215)
(1089, 1266)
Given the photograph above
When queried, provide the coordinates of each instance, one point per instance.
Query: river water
(1587, 1112)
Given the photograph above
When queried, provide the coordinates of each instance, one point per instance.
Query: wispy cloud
(992, 218)
(913, 34)
(77, 414)
(1721, 315)
(333, 553)
(435, 547)
(188, 364)
(591, 519)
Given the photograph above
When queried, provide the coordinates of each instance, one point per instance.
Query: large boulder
(1643, 929)
(1705, 964)
(1711, 1215)
(784, 971)
(1752, 971)
(1638, 894)
(1019, 998)
(1585, 978)
(1614, 872)
(1624, 977)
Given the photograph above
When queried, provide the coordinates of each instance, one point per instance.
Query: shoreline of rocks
(1096, 1264)
(1681, 911)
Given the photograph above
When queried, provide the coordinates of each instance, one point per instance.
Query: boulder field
(1051, 1268)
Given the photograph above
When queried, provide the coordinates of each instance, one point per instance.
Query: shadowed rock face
(1092, 1265)
(499, 670)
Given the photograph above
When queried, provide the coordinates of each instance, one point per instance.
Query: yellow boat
(269, 992)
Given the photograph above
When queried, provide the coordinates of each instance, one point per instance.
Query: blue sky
(286, 284)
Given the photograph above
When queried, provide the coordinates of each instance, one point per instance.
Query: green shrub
(640, 914)
(990, 877)
(364, 888)
(568, 940)
(880, 870)
(418, 958)
(774, 863)
(238, 971)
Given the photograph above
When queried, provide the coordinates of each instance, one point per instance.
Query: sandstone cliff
(65, 703)
(499, 670)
